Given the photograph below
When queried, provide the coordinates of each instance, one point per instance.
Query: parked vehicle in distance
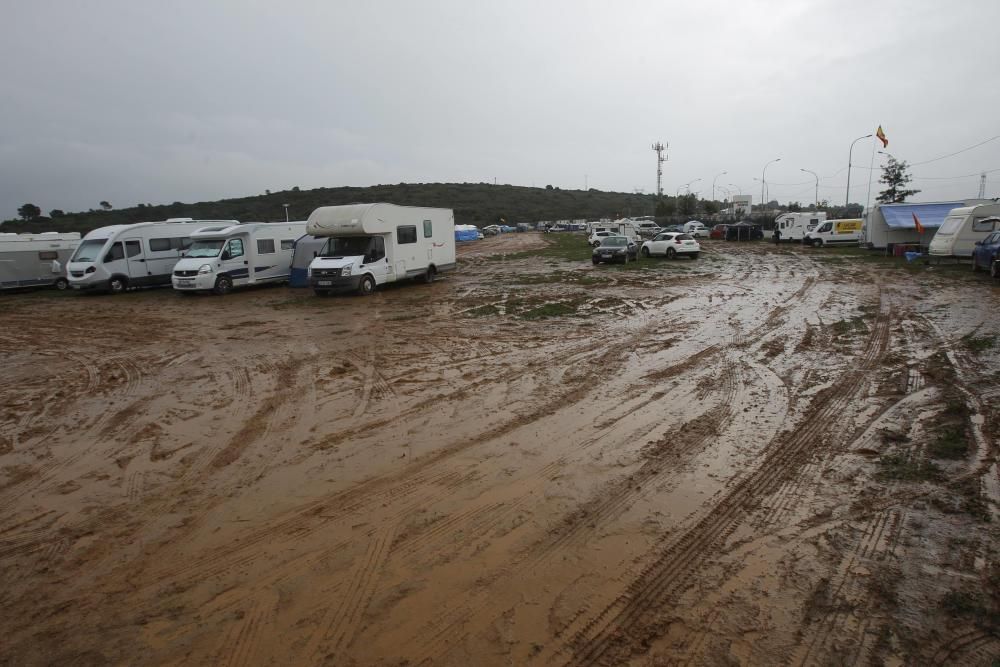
(491, 230)
(744, 231)
(986, 255)
(647, 228)
(964, 226)
(615, 249)
(374, 244)
(718, 232)
(794, 226)
(559, 227)
(596, 237)
(36, 260)
(696, 229)
(142, 254)
(672, 244)
(219, 260)
(835, 232)
(676, 229)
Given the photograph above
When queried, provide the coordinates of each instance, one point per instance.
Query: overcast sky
(148, 101)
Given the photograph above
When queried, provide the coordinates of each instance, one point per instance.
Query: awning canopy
(900, 216)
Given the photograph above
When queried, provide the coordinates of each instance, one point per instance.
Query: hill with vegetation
(474, 203)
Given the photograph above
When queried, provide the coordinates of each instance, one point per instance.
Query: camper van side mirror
(315, 254)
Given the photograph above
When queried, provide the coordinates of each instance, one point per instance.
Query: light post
(817, 184)
(739, 190)
(686, 185)
(847, 196)
(713, 183)
(763, 171)
(286, 211)
(889, 154)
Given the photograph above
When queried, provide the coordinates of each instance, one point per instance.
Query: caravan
(373, 244)
(35, 260)
(794, 226)
(143, 254)
(964, 226)
(236, 256)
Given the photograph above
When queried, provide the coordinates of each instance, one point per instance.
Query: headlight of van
(346, 271)
(205, 268)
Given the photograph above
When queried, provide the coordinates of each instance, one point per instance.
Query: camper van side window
(48, 255)
(159, 245)
(235, 248)
(133, 248)
(180, 244)
(377, 250)
(115, 253)
(428, 229)
(287, 244)
(406, 234)
(265, 246)
(983, 224)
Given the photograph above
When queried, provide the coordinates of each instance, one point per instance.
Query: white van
(794, 226)
(143, 254)
(373, 244)
(961, 229)
(237, 256)
(835, 232)
(696, 228)
(36, 260)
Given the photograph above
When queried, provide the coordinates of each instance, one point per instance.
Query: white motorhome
(142, 254)
(835, 232)
(237, 256)
(36, 260)
(696, 228)
(961, 229)
(373, 244)
(794, 226)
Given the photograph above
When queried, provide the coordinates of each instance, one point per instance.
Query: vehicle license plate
(325, 283)
(185, 283)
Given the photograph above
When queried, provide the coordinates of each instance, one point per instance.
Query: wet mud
(765, 456)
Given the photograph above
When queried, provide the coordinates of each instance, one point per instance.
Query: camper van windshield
(347, 246)
(206, 248)
(89, 250)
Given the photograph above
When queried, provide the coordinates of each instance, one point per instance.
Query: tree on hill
(29, 212)
(106, 205)
(56, 213)
(895, 177)
(664, 208)
(688, 204)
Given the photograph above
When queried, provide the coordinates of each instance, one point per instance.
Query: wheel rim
(61, 284)
(223, 286)
(366, 285)
(117, 285)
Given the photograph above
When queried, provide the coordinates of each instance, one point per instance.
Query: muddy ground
(760, 457)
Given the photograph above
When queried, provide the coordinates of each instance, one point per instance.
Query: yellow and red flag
(916, 223)
(881, 137)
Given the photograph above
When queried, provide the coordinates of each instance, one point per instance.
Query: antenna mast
(982, 185)
(660, 159)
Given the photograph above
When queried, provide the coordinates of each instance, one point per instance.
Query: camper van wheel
(671, 253)
(61, 284)
(817, 243)
(429, 276)
(223, 285)
(366, 286)
(117, 285)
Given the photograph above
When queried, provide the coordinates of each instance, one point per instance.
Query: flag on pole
(916, 223)
(881, 137)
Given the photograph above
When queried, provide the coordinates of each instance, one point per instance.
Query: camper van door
(136, 262)
(234, 261)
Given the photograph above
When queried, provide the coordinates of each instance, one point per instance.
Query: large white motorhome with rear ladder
(374, 244)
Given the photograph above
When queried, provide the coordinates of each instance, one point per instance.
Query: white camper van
(236, 256)
(835, 232)
(964, 226)
(36, 260)
(143, 254)
(372, 244)
(794, 226)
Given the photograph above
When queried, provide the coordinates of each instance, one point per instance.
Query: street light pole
(713, 183)
(847, 196)
(817, 184)
(686, 185)
(763, 171)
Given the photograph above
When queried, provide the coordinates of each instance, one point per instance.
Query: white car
(595, 238)
(670, 245)
(696, 229)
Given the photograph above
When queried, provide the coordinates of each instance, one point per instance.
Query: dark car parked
(744, 231)
(615, 249)
(986, 255)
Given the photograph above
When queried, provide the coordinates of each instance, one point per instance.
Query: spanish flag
(916, 223)
(881, 137)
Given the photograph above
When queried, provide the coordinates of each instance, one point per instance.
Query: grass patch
(977, 344)
(950, 444)
(571, 277)
(550, 310)
(903, 467)
(845, 327)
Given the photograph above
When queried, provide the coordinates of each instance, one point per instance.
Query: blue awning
(900, 216)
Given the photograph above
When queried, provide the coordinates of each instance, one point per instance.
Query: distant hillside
(474, 203)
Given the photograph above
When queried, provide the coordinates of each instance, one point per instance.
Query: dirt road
(759, 457)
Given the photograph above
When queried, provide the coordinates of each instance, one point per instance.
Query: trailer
(794, 226)
(36, 260)
(373, 244)
(254, 253)
(888, 225)
(961, 229)
(143, 254)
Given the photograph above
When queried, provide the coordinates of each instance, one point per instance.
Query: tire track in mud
(242, 644)
(968, 648)
(629, 621)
